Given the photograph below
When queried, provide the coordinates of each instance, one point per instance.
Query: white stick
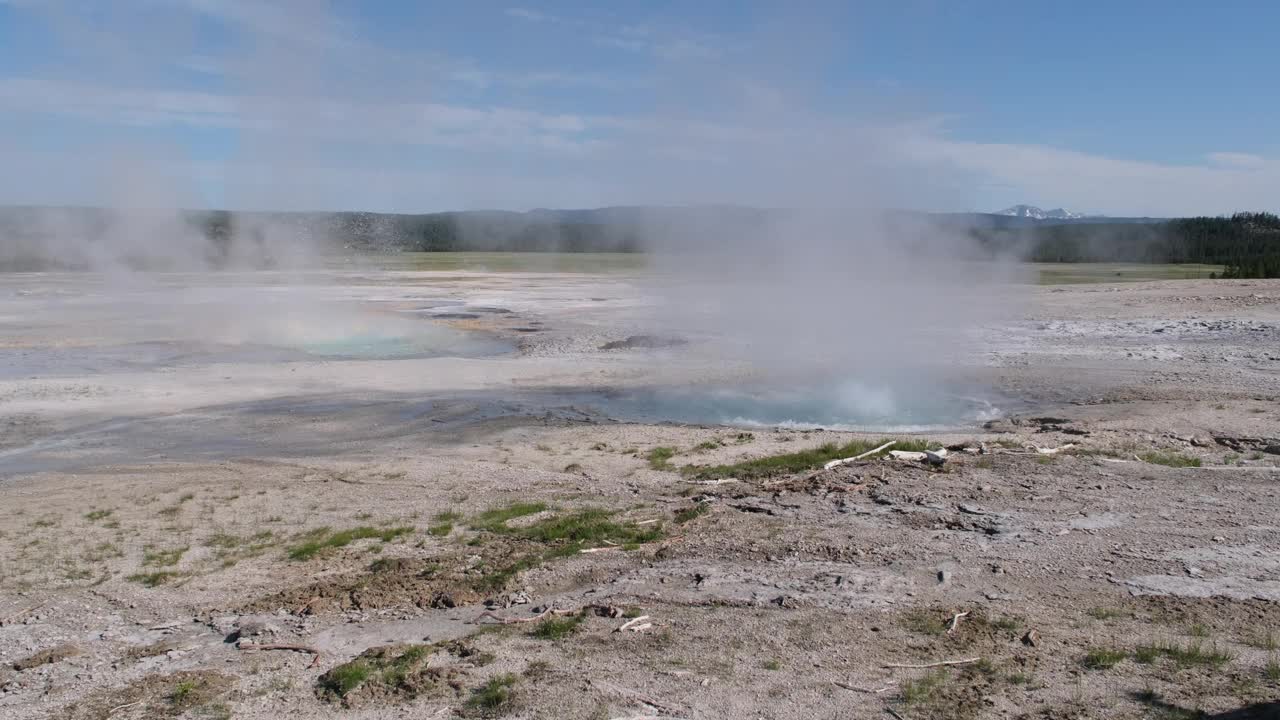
(638, 628)
(721, 481)
(873, 691)
(596, 549)
(1054, 451)
(955, 621)
(940, 663)
(626, 625)
(846, 461)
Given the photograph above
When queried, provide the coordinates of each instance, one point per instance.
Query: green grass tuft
(796, 462)
(923, 689)
(347, 677)
(1194, 654)
(660, 458)
(1103, 658)
(323, 539)
(1103, 613)
(496, 520)
(1169, 459)
(97, 515)
(493, 697)
(441, 529)
(556, 628)
(152, 579)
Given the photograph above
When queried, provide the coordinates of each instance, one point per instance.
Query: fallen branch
(907, 455)
(627, 625)
(872, 691)
(1054, 451)
(596, 549)
(846, 461)
(296, 648)
(955, 621)
(634, 696)
(648, 522)
(22, 612)
(117, 708)
(721, 481)
(940, 663)
(510, 621)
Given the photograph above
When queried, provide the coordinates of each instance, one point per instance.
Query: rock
(1202, 441)
(250, 626)
(1031, 639)
(944, 577)
(1272, 449)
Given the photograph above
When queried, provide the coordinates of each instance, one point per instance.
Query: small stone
(1219, 538)
(1031, 639)
(944, 576)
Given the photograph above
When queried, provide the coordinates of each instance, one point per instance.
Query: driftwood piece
(630, 624)
(940, 663)
(907, 455)
(846, 461)
(1054, 451)
(955, 621)
(510, 621)
(871, 691)
(282, 646)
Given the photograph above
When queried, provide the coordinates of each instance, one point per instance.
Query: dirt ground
(225, 530)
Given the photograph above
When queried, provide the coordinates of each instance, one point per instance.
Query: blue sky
(1121, 108)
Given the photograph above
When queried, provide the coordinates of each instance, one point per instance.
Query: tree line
(1246, 243)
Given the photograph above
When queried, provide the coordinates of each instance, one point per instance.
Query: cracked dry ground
(1091, 583)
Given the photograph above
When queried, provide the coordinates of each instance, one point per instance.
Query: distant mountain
(1034, 213)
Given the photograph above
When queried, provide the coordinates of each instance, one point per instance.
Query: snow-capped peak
(1035, 213)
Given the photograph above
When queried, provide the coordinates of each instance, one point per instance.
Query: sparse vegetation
(660, 458)
(555, 628)
(1104, 613)
(1169, 459)
(324, 539)
(95, 515)
(162, 558)
(789, 463)
(1103, 658)
(153, 579)
(440, 529)
(493, 697)
(1191, 655)
(686, 514)
(922, 690)
(496, 520)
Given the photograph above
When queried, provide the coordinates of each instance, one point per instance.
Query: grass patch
(1265, 640)
(346, 677)
(686, 514)
(1272, 670)
(772, 665)
(1103, 658)
(1194, 654)
(796, 462)
(440, 530)
(496, 520)
(324, 539)
(563, 535)
(708, 445)
(492, 698)
(447, 516)
(162, 558)
(95, 515)
(1102, 613)
(1169, 459)
(923, 690)
(922, 622)
(153, 579)
(556, 628)
(660, 458)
